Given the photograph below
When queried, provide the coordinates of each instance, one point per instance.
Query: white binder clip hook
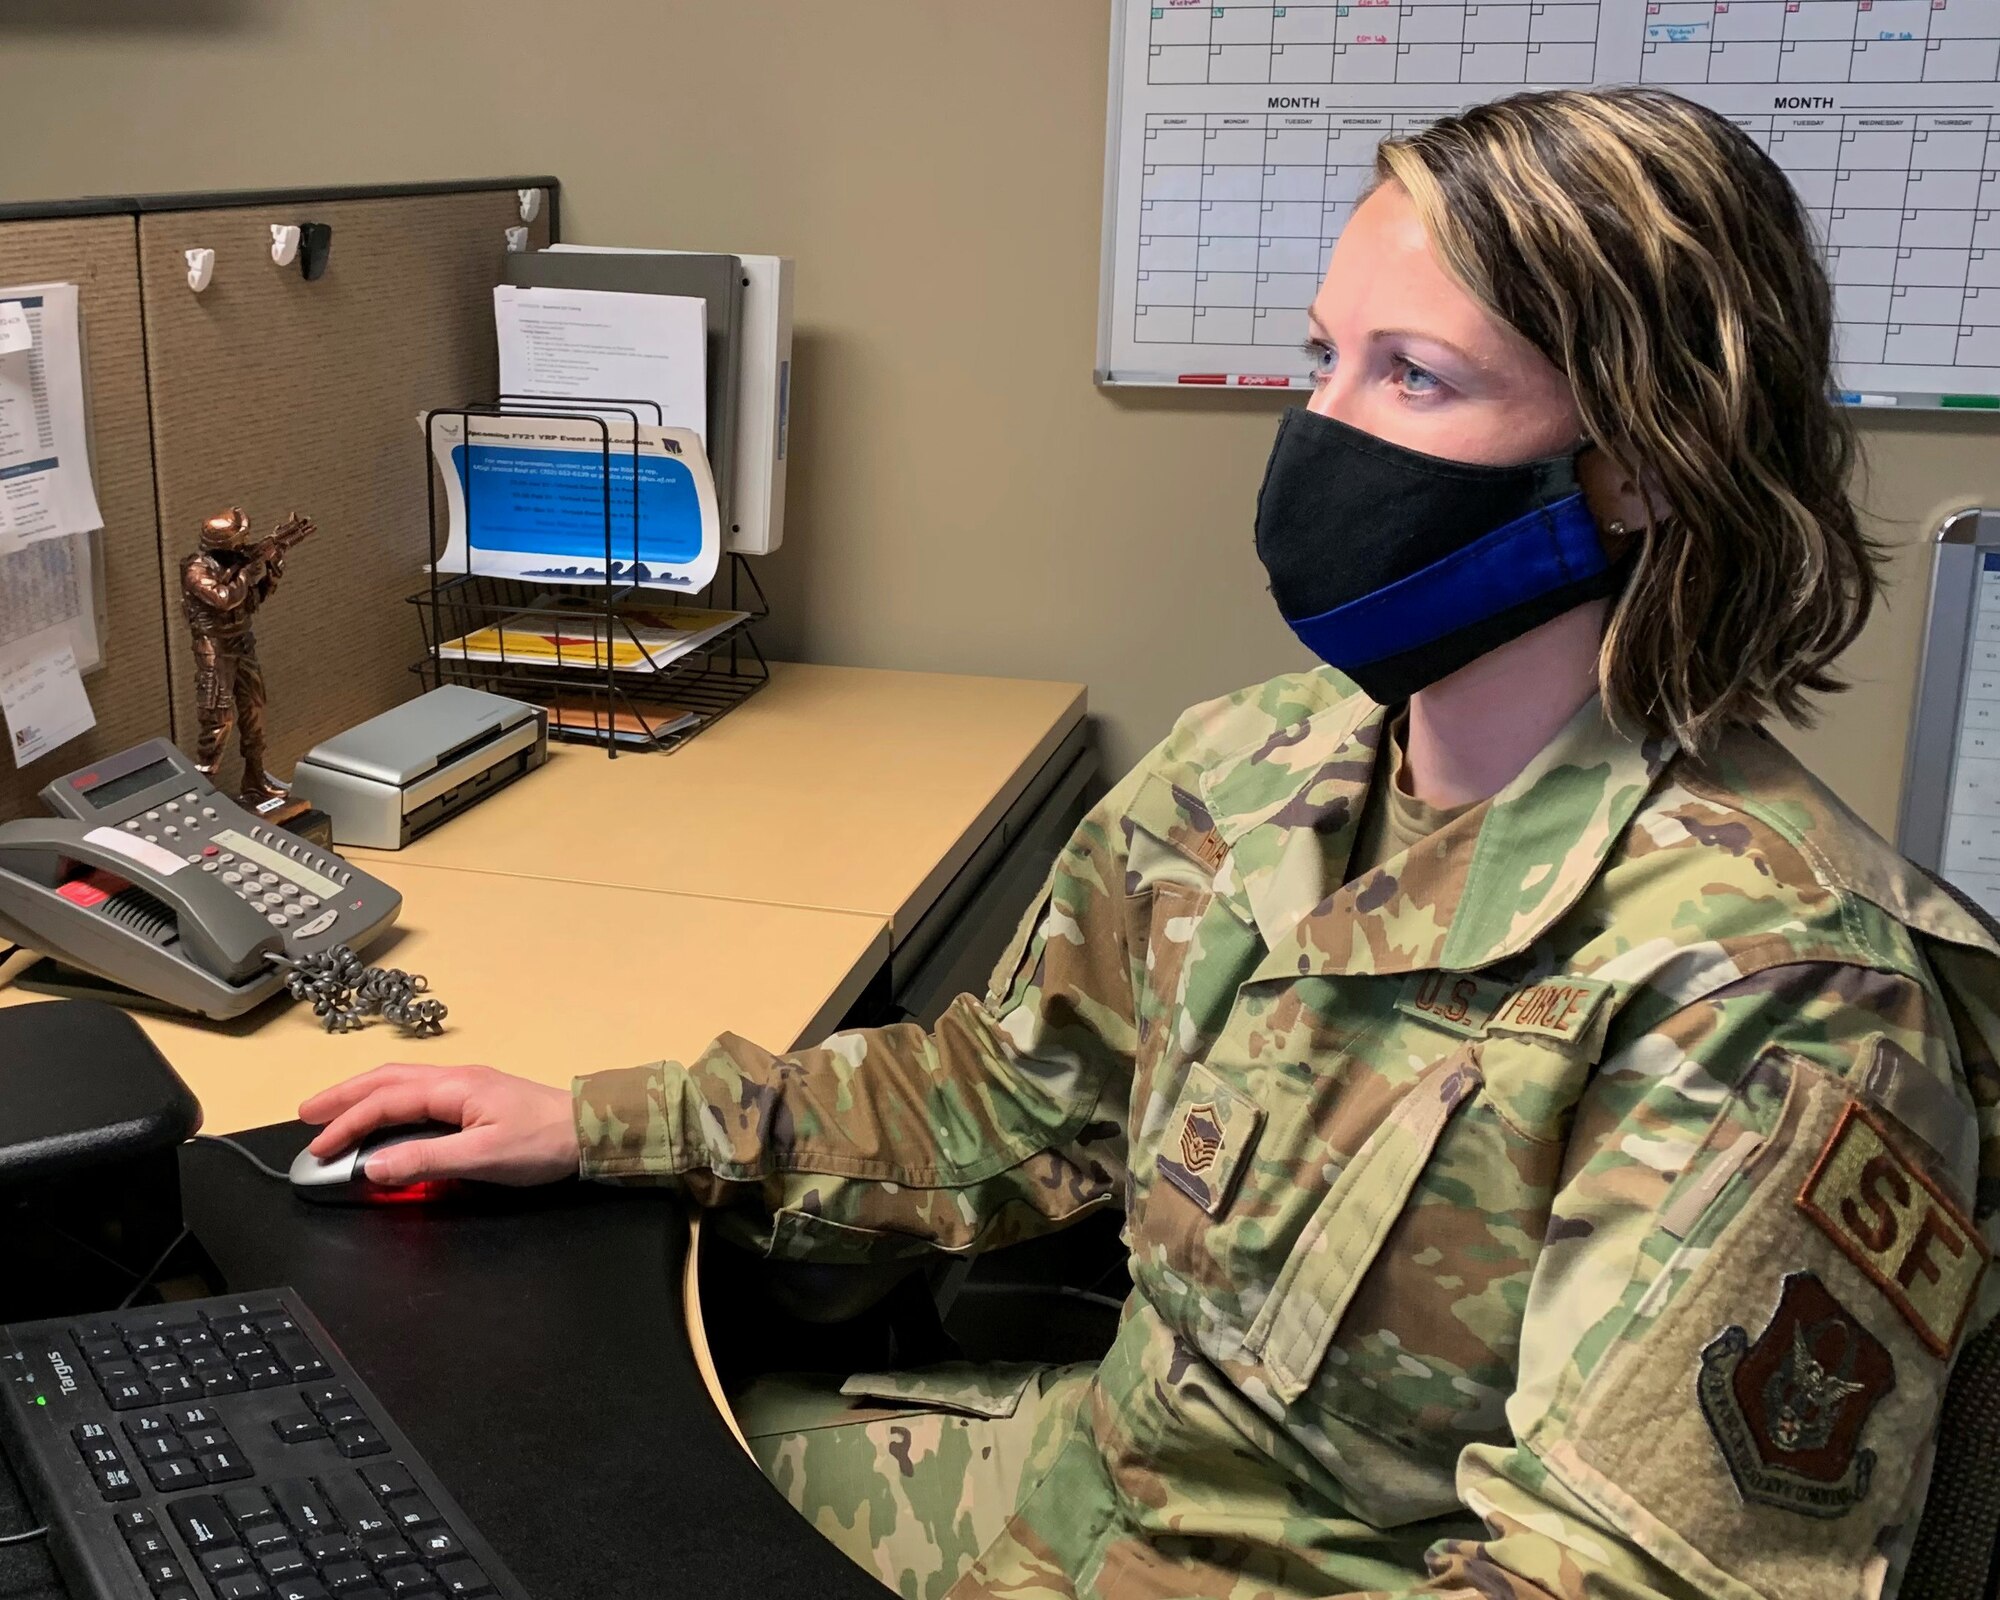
(201, 268)
(531, 204)
(284, 243)
(517, 241)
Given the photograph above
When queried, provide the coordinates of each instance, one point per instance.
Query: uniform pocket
(1297, 1321)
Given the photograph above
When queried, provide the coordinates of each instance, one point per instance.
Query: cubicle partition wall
(100, 255)
(276, 394)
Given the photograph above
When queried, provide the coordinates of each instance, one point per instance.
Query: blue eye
(1323, 357)
(1416, 380)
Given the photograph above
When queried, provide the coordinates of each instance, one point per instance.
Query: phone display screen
(110, 792)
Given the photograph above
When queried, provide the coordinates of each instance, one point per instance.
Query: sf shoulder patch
(1787, 1408)
(1206, 1139)
(1897, 1226)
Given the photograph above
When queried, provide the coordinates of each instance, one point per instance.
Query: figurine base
(309, 823)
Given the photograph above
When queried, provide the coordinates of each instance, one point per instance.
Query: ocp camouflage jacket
(1589, 1201)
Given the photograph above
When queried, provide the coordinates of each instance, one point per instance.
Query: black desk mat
(531, 1345)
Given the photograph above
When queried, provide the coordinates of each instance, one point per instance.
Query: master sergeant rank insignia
(1207, 1138)
(1787, 1409)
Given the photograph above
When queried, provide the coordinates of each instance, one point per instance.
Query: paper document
(629, 722)
(41, 696)
(648, 640)
(534, 491)
(593, 344)
(45, 487)
(48, 585)
(16, 332)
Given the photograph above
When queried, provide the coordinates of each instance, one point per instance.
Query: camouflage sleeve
(1757, 1269)
(1006, 1119)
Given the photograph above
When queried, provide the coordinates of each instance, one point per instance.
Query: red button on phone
(83, 892)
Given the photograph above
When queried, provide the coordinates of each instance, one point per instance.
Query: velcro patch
(1207, 1137)
(1556, 1008)
(1897, 1226)
(1459, 1002)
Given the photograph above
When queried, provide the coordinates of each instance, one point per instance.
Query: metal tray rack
(591, 698)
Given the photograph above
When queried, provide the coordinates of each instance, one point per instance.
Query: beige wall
(962, 496)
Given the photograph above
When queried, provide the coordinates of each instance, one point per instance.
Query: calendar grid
(1245, 133)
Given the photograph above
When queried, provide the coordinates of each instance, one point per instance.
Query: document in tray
(526, 499)
(597, 344)
(628, 722)
(648, 639)
(45, 487)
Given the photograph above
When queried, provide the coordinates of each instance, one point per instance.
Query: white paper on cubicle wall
(595, 344)
(52, 584)
(45, 486)
(1242, 135)
(525, 497)
(42, 698)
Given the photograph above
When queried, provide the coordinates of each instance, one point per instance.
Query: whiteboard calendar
(1242, 135)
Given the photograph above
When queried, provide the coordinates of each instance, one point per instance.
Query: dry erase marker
(1850, 397)
(1245, 380)
(1970, 402)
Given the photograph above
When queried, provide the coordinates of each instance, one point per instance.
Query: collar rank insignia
(1787, 1408)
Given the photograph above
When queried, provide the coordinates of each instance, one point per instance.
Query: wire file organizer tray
(619, 657)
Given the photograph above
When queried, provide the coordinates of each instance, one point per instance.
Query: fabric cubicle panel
(128, 692)
(276, 395)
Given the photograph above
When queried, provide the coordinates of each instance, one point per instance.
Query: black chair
(1953, 1556)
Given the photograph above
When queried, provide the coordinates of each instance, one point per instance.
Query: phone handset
(212, 928)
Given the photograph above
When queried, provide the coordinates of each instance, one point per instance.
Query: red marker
(1245, 380)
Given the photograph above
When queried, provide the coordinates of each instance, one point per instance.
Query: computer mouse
(343, 1180)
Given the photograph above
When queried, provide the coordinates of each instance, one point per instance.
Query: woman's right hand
(510, 1130)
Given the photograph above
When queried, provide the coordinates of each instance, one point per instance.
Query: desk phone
(148, 877)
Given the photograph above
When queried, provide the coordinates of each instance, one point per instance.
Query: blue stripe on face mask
(1550, 548)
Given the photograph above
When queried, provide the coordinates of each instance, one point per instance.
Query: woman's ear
(1615, 495)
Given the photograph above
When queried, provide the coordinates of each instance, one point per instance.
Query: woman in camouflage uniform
(1549, 1127)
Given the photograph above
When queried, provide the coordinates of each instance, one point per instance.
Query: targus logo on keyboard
(65, 1373)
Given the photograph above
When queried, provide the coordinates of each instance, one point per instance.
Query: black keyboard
(223, 1450)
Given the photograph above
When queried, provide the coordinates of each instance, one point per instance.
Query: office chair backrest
(1953, 1557)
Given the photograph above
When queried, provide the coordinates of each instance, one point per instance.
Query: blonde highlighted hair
(1663, 263)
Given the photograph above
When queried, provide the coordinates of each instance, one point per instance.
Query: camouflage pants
(913, 1474)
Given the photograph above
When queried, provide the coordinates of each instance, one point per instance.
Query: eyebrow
(1318, 330)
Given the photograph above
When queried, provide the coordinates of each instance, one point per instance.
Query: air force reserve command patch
(1787, 1408)
(1897, 1226)
(1208, 1136)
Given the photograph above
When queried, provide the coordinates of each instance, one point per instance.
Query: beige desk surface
(544, 979)
(839, 788)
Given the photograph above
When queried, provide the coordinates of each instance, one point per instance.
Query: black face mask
(1399, 568)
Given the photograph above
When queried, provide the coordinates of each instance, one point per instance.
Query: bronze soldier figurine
(222, 585)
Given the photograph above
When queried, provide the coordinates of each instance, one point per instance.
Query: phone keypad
(182, 825)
